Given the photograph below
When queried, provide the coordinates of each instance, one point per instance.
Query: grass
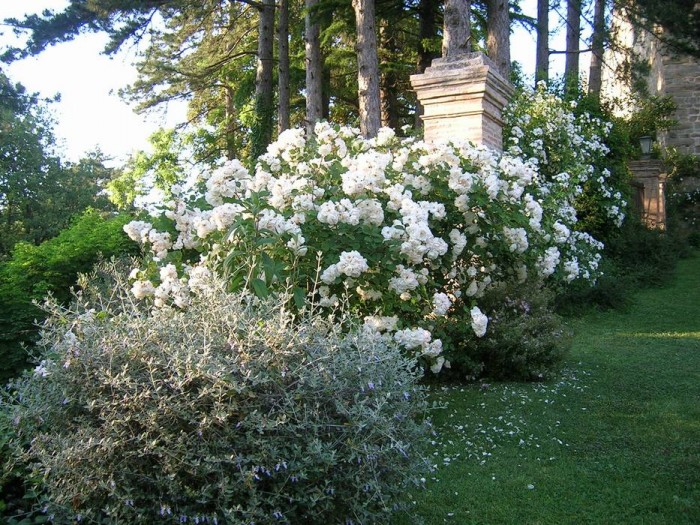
(616, 439)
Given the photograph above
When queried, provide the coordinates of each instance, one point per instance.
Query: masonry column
(463, 98)
(650, 173)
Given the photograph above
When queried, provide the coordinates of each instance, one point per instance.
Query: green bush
(646, 256)
(683, 196)
(637, 257)
(525, 340)
(612, 291)
(52, 267)
(231, 411)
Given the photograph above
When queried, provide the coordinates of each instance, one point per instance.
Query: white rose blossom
(479, 321)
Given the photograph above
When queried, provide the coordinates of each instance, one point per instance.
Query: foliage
(683, 195)
(412, 235)
(204, 52)
(652, 115)
(32, 272)
(231, 411)
(682, 166)
(636, 258)
(674, 22)
(39, 194)
(160, 169)
(570, 144)
(526, 339)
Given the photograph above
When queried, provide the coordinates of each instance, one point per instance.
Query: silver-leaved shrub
(231, 411)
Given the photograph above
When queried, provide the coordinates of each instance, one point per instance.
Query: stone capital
(463, 99)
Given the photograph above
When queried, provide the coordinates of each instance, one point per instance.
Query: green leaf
(268, 267)
(262, 241)
(299, 297)
(231, 258)
(236, 282)
(260, 288)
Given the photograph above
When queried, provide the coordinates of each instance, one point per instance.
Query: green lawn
(615, 440)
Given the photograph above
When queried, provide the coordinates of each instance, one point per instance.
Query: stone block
(463, 99)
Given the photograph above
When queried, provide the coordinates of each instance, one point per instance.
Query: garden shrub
(17, 499)
(635, 258)
(612, 290)
(526, 339)
(646, 255)
(573, 141)
(413, 236)
(31, 272)
(683, 196)
(231, 411)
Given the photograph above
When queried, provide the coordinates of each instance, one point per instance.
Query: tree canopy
(248, 67)
(39, 193)
(218, 55)
(679, 20)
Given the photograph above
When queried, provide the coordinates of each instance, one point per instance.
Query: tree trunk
(498, 35)
(264, 96)
(367, 67)
(542, 60)
(283, 74)
(427, 30)
(314, 68)
(457, 32)
(326, 92)
(388, 88)
(230, 124)
(573, 35)
(595, 79)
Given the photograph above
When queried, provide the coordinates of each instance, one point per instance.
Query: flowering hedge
(410, 235)
(569, 148)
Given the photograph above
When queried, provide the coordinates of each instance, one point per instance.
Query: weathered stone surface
(463, 99)
(651, 183)
(669, 74)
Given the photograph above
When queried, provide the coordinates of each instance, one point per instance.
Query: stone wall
(669, 74)
(682, 82)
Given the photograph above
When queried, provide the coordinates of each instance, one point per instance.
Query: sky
(91, 113)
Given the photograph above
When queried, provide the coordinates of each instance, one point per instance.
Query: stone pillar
(463, 99)
(651, 175)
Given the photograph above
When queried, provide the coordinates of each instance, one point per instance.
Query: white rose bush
(410, 236)
(569, 147)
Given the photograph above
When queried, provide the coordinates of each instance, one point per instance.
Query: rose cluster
(409, 235)
(568, 145)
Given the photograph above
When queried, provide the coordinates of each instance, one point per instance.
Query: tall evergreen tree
(674, 22)
(314, 66)
(427, 12)
(207, 52)
(573, 36)
(542, 54)
(283, 117)
(456, 38)
(498, 34)
(595, 74)
(367, 67)
(264, 91)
